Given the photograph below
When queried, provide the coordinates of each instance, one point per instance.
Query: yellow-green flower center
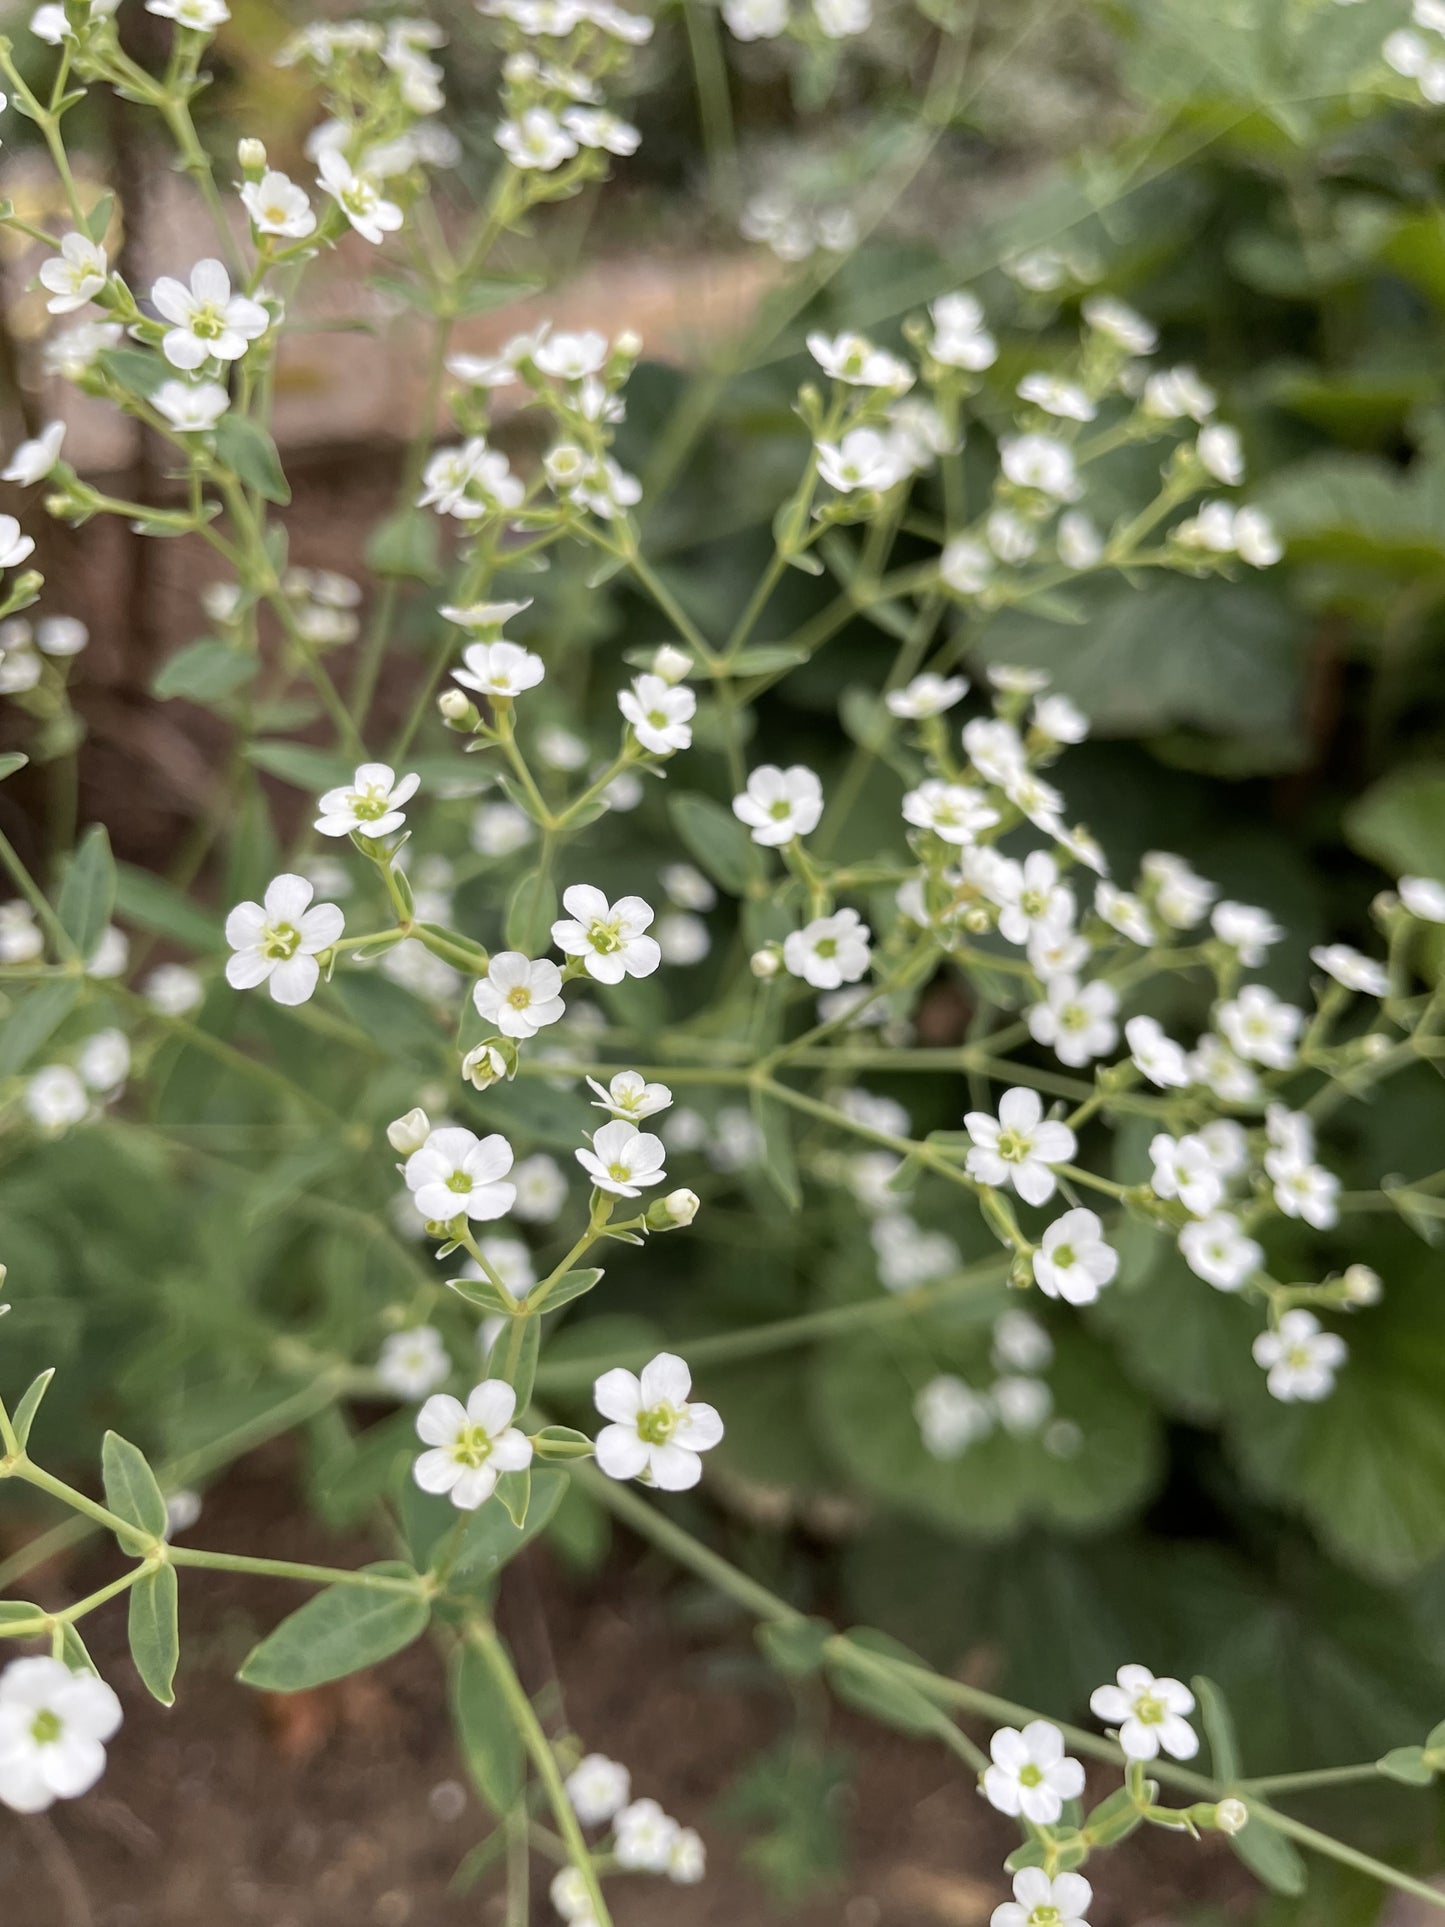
(656, 1427)
(280, 940)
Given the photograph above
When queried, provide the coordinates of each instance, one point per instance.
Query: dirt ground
(348, 1806)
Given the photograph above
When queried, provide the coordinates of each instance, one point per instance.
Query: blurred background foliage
(1250, 176)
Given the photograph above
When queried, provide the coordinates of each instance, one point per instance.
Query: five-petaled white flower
(610, 938)
(1350, 968)
(660, 713)
(1248, 930)
(623, 1159)
(598, 1788)
(1156, 1055)
(953, 811)
(472, 1445)
(518, 996)
(456, 1173)
(630, 1096)
(854, 359)
(1220, 1251)
(655, 1434)
(644, 1838)
(359, 197)
(1300, 1358)
(1076, 1020)
(1149, 1714)
(191, 408)
(927, 695)
(277, 941)
(53, 1728)
(208, 322)
(537, 140)
(1041, 1902)
(779, 804)
(499, 668)
(1261, 1028)
(1074, 1262)
(829, 951)
(863, 459)
(1031, 1775)
(33, 460)
(277, 205)
(371, 802)
(75, 274)
(1184, 1168)
(413, 1363)
(1019, 1146)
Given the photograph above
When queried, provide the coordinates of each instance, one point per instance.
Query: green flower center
(1298, 1356)
(208, 323)
(472, 1447)
(1064, 1258)
(1013, 1146)
(657, 719)
(780, 810)
(519, 996)
(1046, 1916)
(605, 938)
(280, 940)
(460, 1183)
(46, 1728)
(1031, 1775)
(1074, 1017)
(1149, 1710)
(656, 1427)
(826, 947)
(619, 1173)
(369, 805)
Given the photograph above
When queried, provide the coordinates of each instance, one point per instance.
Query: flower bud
(409, 1133)
(251, 158)
(489, 1063)
(976, 919)
(674, 1211)
(766, 963)
(454, 706)
(671, 664)
(1231, 1816)
(1363, 1285)
(628, 343)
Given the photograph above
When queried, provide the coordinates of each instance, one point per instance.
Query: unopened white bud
(671, 664)
(1231, 1816)
(628, 343)
(1363, 1285)
(1374, 1045)
(251, 158)
(765, 963)
(976, 919)
(681, 1206)
(409, 1133)
(453, 705)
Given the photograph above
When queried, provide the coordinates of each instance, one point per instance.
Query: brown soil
(345, 1807)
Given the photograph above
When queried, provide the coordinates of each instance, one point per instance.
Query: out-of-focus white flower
(1218, 1250)
(53, 1728)
(277, 205)
(413, 1363)
(1074, 1262)
(1077, 1021)
(854, 359)
(33, 460)
(74, 275)
(1300, 1358)
(829, 951)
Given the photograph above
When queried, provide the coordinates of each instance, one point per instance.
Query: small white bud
(251, 158)
(453, 705)
(409, 1133)
(1363, 1285)
(628, 343)
(1231, 1816)
(765, 963)
(671, 664)
(681, 1206)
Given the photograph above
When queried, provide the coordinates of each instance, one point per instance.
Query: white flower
(1160, 1059)
(1174, 393)
(655, 1434)
(75, 274)
(14, 547)
(61, 635)
(1303, 1190)
(518, 996)
(1213, 1064)
(1424, 898)
(755, 19)
(456, 1173)
(1300, 1358)
(472, 1445)
(1350, 968)
(644, 1834)
(173, 989)
(1218, 1250)
(541, 1189)
(53, 1728)
(1248, 931)
(687, 887)
(1111, 317)
(1041, 1902)
(1220, 450)
(33, 460)
(598, 1788)
(965, 565)
(1074, 1262)
(1079, 542)
(687, 1862)
(909, 1256)
(1184, 1169)
(839, 19)
(952, 811)
(207, 321)
(1056, 396)
(683, 938)
(359, 196)
(55, 1098)
(277, 941)
(780, 804)
(1255, 539)
(1149, 1714)
(1031, 1775)
(854, 359)
(470, 482)
(863, 459)
(510, 1259)
(1021, 1342)
(104, 1061)
(623, 1160)
(21, 939)
(594, 127)
(485, 620)
(608, 937)
(538, 140)
(277, 205)
(500, 829)
(413, 1363)
(1040, 462)
(499, 668)
(995, 749)
(660, 713)
(371, 802)
(829, 951)
(960, 339)
(201, 16)
(569, 1895)
(926, 695)
(111, 955)
(1260, 1028)
(630, 1096)
(1018, 1147)
(1179, 895)
(951, 1415)
(1076, 1020)
(191, 408)
(1029, 895)
(1060, 720)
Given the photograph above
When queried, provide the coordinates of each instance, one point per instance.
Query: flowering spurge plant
(467, 941)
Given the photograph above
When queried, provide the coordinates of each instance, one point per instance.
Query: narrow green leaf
(490, 1744)
(779, 1161)
(514, 1494)
(531, 912)
(715, 838)
(23, 1417)
(482, 1293)
(87, 896)
(299, 764)
(340, 1631)
(206, 672)
(885, 1697)
(11, 761)
(572, 1284)
(132, 369)
(245, 447)
(491, 1540)
(796, 1646)
(1408, 1765)
(131, 1488)
(98, 219)
(1219, 1730)
(1270, 1857)
(154, 1630)
(406, 544)
(155, 905)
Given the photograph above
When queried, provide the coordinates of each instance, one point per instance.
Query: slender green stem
(290, 1569)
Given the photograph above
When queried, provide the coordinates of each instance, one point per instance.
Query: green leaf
(155, 905)
(406, 544)
(11, 761)
(486, 1296)
(87, 896)
(245, 447)
(1270, 1857)
(23, 1417)
(863, 1684)
(492, 1540)
(98, 219)
(487, 1735)
(1401, 823)
(33, 1020)
(1219, 1730)
(572, 1284)
(340, 1631)
(132, 1490)
(206, 672)
(779, 1160)
(299, 764)
(154, 1631)
(561, 1442)
(715, 838)
(1408, 1765)
(795, 1646)
(514, 1495)
(134, 370)
(531, 912)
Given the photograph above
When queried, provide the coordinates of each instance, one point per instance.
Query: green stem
(290, 1569)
